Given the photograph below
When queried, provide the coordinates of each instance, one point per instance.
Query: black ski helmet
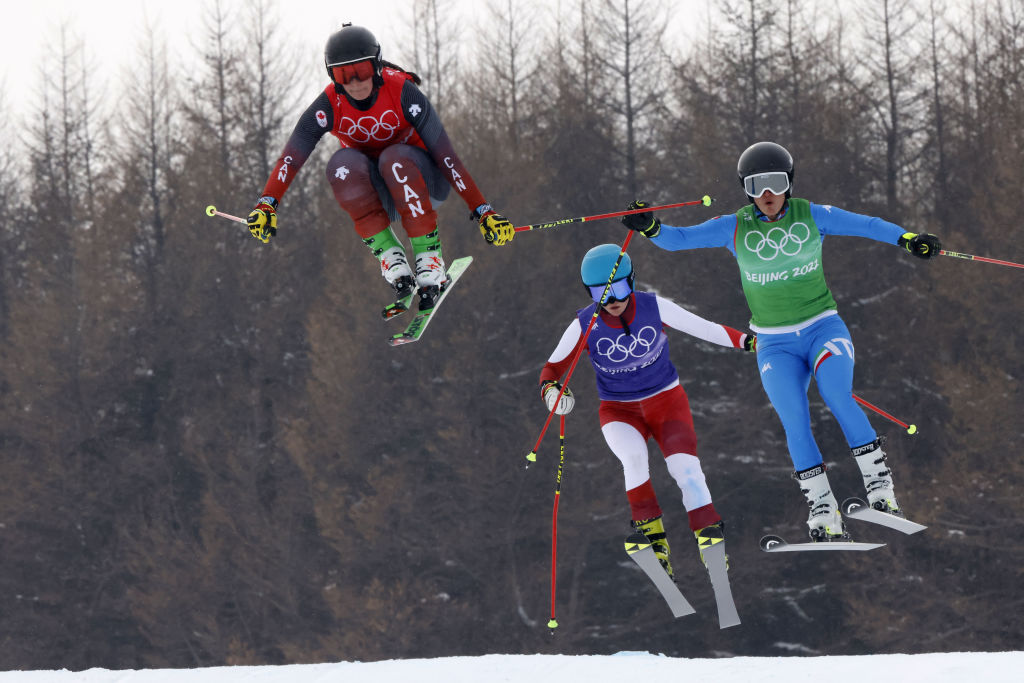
(764, 157)
(352, 44)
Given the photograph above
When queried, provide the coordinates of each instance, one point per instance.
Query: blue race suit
(820, 346)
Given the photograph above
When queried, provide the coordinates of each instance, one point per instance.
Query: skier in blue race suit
(640, 391)
(776, 240)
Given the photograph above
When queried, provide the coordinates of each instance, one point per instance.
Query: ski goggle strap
(619, 291)
(776, 182)
(360, 71)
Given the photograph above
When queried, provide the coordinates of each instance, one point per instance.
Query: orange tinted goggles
(359, 71)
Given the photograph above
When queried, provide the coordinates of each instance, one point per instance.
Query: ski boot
(654, 530)
(396, 271)
(824, 521)
(709, 536)
(877, 477)
(395, 268)
(430, 278)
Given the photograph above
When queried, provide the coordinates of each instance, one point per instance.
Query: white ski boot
(877, 477)
(395, 269)
(430, 277)
(824, 521)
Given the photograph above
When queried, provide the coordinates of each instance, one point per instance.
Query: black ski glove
(921, 246)
(644, 223)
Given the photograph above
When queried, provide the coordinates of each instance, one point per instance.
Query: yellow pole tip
(211, 210)
(552, 624)
(706, 199)
(912, 429)
(532, 456)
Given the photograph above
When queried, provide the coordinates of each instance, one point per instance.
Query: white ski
(639, 548)
(855, 508)
(713, 552)
(775, 544)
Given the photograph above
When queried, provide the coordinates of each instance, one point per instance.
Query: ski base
(856, 508)
(639, 549)
(775, 544)
(718, 570)
(414, 330)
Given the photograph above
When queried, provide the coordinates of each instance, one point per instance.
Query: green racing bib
(780, 264)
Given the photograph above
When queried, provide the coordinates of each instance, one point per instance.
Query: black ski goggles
(776, 182)
(619, 291)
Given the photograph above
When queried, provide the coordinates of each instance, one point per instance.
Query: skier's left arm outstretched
(832, 220)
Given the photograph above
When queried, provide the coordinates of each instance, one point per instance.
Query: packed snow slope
(991, 667)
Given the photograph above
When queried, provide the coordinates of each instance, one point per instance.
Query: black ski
(775, 544)
(856, 508)
(713, 552)
(639, 548)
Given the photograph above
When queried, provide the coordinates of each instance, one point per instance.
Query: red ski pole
(553, 623)
(532, 455)
(911, 429)
(705, 200)
(971, 257)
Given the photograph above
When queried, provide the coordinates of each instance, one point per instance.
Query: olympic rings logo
(639, 345)
(368, 128)
(777, 241)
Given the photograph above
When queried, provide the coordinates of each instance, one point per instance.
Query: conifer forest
(210, 456)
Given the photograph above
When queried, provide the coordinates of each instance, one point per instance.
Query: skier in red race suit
(395, 161)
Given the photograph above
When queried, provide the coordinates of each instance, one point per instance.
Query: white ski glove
(552, 392)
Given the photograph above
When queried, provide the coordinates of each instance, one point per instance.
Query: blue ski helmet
(598, 263)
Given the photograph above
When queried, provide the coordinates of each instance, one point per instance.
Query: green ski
(414, 330)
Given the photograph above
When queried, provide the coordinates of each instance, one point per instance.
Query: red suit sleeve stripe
(735, 336)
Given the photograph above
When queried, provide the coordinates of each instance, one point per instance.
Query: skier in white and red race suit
(395, 161)
(776, 239)
(640, 391)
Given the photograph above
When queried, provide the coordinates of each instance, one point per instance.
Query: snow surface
(986, 667)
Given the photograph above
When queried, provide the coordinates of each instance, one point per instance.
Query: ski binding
(401, 304)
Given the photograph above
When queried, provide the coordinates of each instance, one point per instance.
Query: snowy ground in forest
(990, 667)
